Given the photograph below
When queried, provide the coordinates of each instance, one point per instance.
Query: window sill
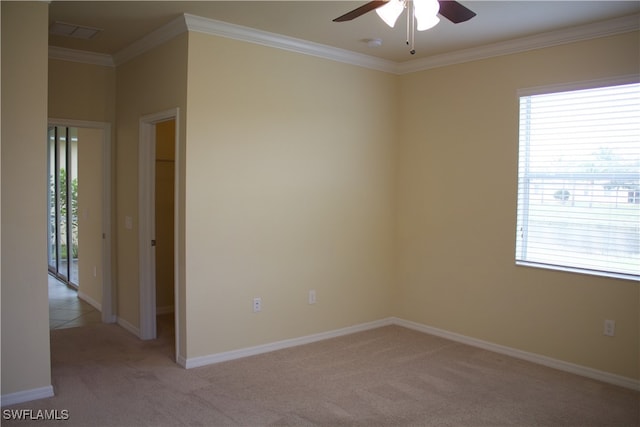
(630, 277)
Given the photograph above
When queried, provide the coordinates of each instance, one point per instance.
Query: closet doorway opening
(160, 235)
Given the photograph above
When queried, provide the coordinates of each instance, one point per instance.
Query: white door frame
(108, 292)
(146, 215)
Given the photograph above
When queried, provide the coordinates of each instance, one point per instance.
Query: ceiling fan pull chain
(413, 30)
(406, 6)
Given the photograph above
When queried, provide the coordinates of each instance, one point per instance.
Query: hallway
(66, 310)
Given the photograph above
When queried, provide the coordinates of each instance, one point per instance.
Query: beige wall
(151, 83)
(25, 321)
(457, 213)
(90, 206)
(290, 173)
(81, 91)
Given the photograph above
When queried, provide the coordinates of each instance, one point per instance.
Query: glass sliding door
(61, 192)
(63, 203)
(52, 198)
(72, 192)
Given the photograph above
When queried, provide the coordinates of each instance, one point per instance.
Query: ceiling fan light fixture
(425, 24)
(390, 12)
(426, 13)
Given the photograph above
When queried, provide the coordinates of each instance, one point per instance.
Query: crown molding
(251, 35)
(199, 24)
(82, 56)
(153, 39)
(543, 40)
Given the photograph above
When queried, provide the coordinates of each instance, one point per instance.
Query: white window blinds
(579, 181)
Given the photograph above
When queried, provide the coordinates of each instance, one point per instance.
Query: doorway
(159, 219)
(164, 225)
(79, 213)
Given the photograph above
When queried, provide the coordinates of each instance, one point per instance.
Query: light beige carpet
(389, 376)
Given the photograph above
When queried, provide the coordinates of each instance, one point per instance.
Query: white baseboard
(195, 362)
(109, 319)
(165, 310)
(27, 395)
(128, 326)
(182, 361)
(86, 298)
(561, 365)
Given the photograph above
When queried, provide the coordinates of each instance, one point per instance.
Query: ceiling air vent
(72, 30)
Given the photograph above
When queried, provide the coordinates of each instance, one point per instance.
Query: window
(579, 181)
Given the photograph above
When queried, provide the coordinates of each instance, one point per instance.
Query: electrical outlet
(610, 328)
(257, 305)
(312, 296)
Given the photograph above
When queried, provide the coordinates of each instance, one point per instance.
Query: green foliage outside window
(62, 200)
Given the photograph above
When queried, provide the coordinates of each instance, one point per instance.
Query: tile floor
(66, 310)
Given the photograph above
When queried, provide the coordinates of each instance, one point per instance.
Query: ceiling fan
(424, 11)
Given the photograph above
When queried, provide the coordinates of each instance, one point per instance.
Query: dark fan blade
(372, 5)
(455, 12)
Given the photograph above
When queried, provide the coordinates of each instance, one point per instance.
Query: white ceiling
(127, 21)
